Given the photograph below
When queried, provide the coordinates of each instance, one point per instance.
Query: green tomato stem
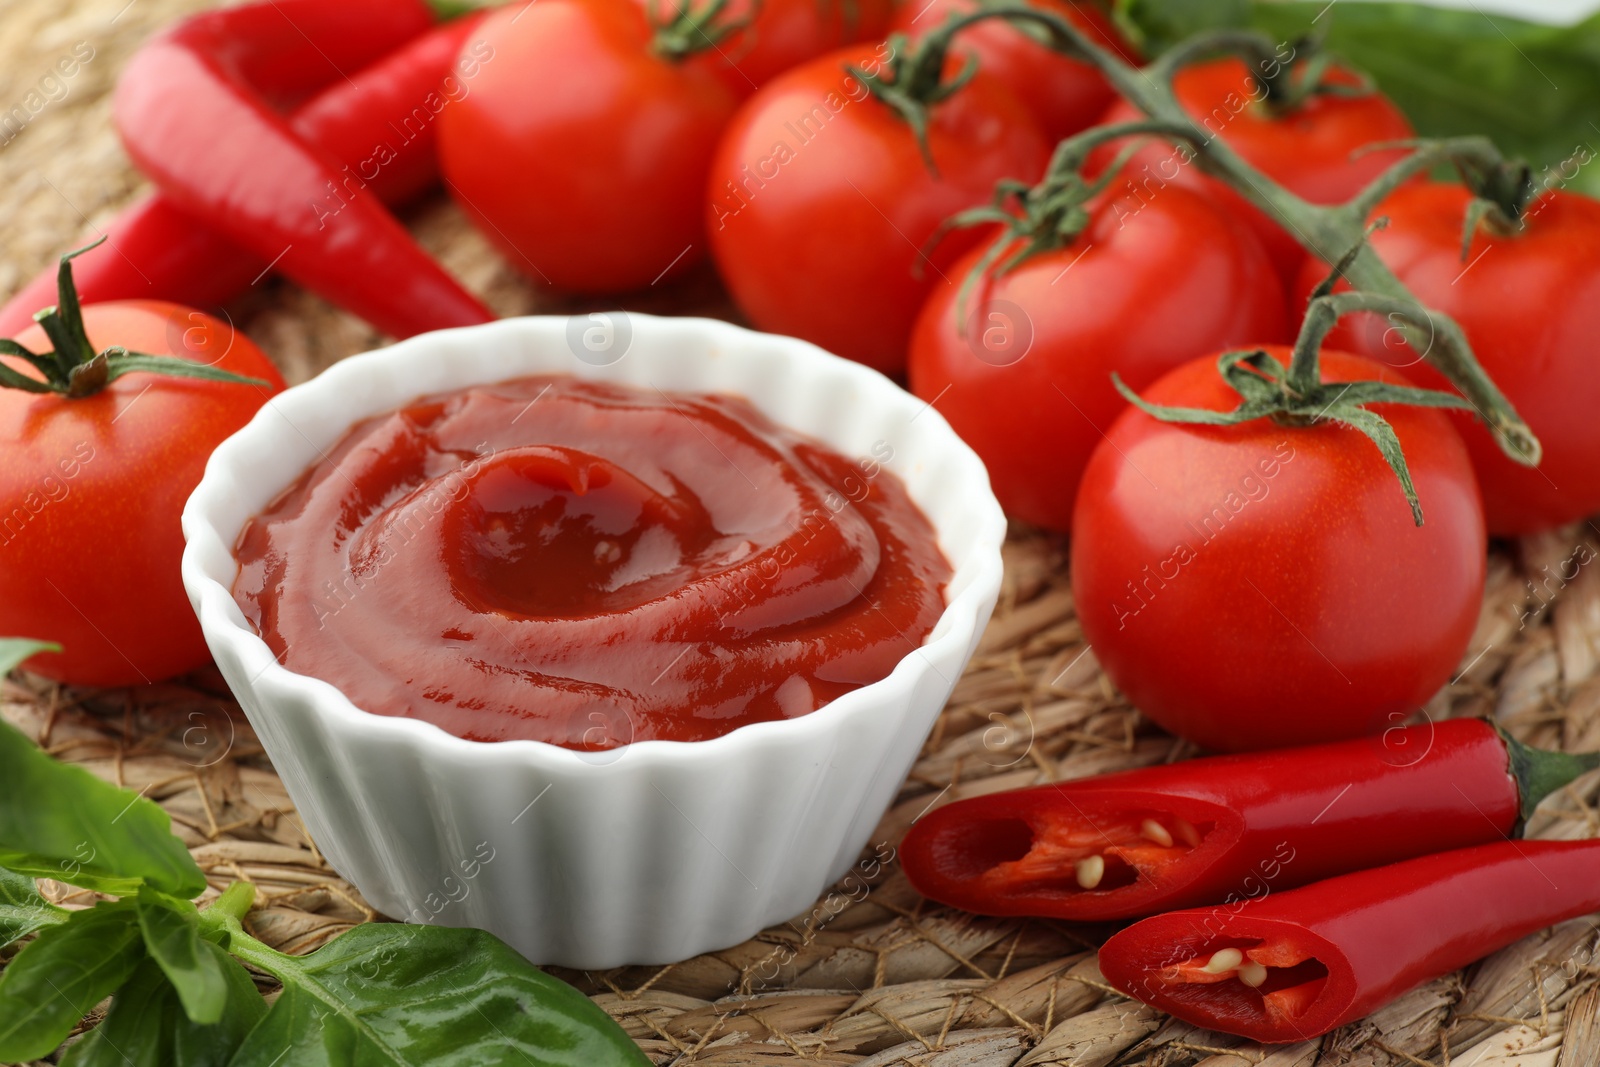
(1071, 154)
(226, 916)
(695, 29)
(1326, 232)
(73, 368)
(1254, 48)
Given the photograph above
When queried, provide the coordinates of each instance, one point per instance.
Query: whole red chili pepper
(1230, 828)
(379, 122)
(1297, 964)
(152, 251)
(191, 115)
(156, 250)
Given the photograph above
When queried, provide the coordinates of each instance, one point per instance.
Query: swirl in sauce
(589, 565)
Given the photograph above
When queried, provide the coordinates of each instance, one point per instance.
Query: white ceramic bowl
(650, 853)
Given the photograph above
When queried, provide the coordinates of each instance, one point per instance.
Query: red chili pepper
(1230, 828)
(1298, 964)
(155, 250)
(192, 115)
(379, 123)
(152, 251)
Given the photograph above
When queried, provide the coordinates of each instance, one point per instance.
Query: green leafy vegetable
(91, 834)
(380, 995)
(172, 936)
(135, 1032)
(61, 974)
(202, 1046)
(358, 999)
(147, 1026)
(22, 909)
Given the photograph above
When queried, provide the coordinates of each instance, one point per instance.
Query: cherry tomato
(1063, 95)
(1143, 289)
(1263, 585)
(780, 35)
(1530, 304)
(94, 488)
(1313, 150)
(821, 203)
(580, 152)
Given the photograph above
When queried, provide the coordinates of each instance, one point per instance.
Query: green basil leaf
(137, 1032)
(402, 995)
(172, 937)
(14, 650)
(147, 1027)
(22, 909)
(61, 974)
(213, 1046)
(91, 833)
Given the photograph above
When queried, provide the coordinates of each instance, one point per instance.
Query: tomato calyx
(1297, 395)
(912, 80)
(1287, 82)
(74, 369)
(1501, 193)
(1266, 391)
(695, 28)
(1311, 73)
(1502, 189)
(1050, 215)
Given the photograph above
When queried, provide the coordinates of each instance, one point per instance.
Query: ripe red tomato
(1263, 585)
(1064, 95)
(580, 153)
(821, 203)
(94, 488)
(1311, 151)
(1026, 381)
(781, 34)
(1530, 304)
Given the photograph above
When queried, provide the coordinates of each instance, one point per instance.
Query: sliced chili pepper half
(1297, 964)
(1230, 828)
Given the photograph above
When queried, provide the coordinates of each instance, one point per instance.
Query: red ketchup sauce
(590, 565)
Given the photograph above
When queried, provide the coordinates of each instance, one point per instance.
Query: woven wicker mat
(873, 975)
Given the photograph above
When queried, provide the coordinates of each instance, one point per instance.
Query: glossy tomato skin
(1312, 151)
(1530, 305)
(1143, 289)
(820, 203)
(579, 153)
(782, 34)
(1261, 586)
(1065, 96)
(94, 490)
